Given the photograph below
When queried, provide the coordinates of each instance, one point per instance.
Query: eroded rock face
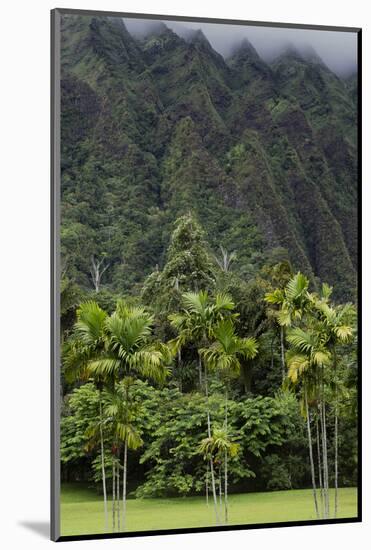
(264, 155)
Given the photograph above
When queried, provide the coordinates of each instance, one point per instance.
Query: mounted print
(205, 207)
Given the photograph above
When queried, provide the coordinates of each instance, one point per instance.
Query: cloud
(337, 49)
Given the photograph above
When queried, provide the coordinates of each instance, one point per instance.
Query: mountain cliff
(152, 127)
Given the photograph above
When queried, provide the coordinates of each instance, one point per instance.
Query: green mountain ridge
(152, 127)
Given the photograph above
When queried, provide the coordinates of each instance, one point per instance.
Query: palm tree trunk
(311, 453)
(320, 479)
(118, 497)
(211, 459)
(207, 484)
(325, 461)
(226, 460)
(220, 492)
(214, 491)
(324, 449)
(336, 463)
(124, 486)
(113, 496)
(225, 486)
(200, 371)
(336, 435)
(103, 466)
(283, 367)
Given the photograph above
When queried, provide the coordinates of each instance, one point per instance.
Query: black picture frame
(55, 272)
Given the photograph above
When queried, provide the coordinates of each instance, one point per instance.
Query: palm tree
(218, 448)
(129, 352)
(292, 302)
(306, 361)
(225, 355)
(196, 323)
(109, 348)
(128, 348)
(197, 319)
(86, 345)
(337, 323)
(121, 412)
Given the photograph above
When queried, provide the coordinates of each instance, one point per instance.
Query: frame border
(55, 274)
(55, 277)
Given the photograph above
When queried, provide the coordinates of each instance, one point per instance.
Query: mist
(338, 50)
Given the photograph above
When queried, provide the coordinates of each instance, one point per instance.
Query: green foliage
(79, 414)
(200, 187)
(173, 459)
(264, 156)
(188, 267)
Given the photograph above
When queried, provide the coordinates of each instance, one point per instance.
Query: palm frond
(195, 301)
(105, 366)
(301, 339)
(90, 323)
(276, 297)
(296, 287)
(344, 332)
(297, 365)
(223, 302)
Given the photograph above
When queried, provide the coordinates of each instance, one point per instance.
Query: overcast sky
(337, 49)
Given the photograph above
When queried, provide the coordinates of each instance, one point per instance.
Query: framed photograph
(206, 189)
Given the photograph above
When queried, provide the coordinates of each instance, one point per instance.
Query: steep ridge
(158, 125)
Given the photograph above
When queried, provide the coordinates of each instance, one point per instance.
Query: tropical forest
(208, 298)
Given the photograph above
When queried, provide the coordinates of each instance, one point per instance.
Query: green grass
(82, 510)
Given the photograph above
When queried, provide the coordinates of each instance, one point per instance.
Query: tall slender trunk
(113, 496)
(320, 479)
(200, 371)
(325, 462)
(336, 435)
(283, 367)
(103, 465)
(324, 448)
(211, 459)
(118, 497)
(225, 486)
(207, 484)
(214, 491)
(336, 465)
(226, 460)
(220, 492)
(311, 453)
(124, 485)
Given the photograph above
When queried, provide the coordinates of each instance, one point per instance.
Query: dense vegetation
(215, 390)
(264, 154)
(197, 359)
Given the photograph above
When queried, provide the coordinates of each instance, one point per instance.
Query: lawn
(82, 510)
